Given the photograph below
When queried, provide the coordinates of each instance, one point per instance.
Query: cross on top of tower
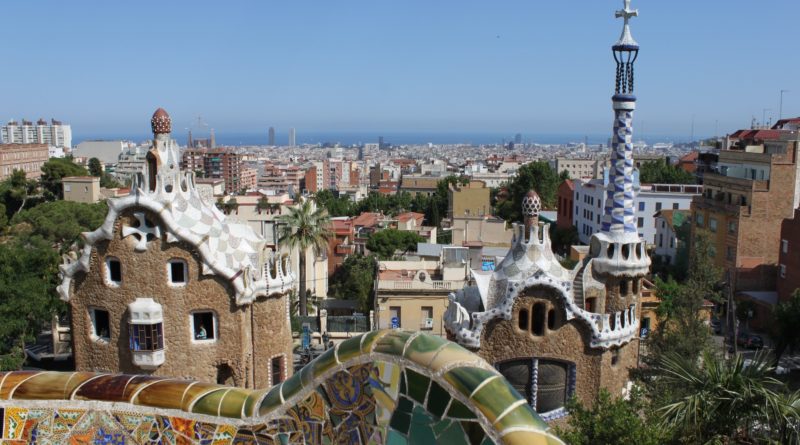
(626, 39)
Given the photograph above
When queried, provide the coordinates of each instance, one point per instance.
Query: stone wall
(144, 275)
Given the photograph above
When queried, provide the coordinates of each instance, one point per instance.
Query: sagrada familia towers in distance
(552, 332)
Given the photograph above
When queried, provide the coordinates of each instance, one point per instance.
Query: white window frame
(783, 270)
(214, 327)
(785, 245)
(107, 276)
(92, 318)
(185, 272)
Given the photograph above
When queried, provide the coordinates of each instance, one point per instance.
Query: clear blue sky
(412, 65)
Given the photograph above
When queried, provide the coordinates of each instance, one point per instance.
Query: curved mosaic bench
(383, 387)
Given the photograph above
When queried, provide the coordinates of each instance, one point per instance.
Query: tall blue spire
(619, 216)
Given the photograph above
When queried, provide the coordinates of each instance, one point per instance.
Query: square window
(658, 207)
(146, 337)
(732, 227)
(674, 206)
(640, 222)
(177, 271)
(204, 326)
(712, 224)
(101, 327)
(641, 206)
(114, 270)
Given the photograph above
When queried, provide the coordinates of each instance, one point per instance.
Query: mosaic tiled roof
(384, 387)
(228, 248)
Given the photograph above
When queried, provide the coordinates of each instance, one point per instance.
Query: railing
(353, 323)
(420, 285)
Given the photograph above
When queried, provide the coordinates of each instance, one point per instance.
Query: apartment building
(26, 157)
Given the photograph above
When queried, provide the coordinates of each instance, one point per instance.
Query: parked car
(749, 341)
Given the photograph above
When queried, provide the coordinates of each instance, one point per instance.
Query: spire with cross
(626, 39)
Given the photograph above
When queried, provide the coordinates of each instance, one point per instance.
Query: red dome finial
(161, 123)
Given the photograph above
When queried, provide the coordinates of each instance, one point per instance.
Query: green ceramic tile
(405, 405)
(449, 354)
(369, 339)
(392, 343)
(475, 433)
(466, 379)
(233, 402)
(421, 432)
(271, 401)
(530, 437)
(401, 422)
(459, 411)
(209, 403)
(453, 434)
(251, 403)
(306, 376)
(403, 386)
(323, 363)
(487, 441)
(291, 386)
(441, 426)
(395, 438)
(423, 348)
(495, 397)
(349, 349)
(522, 415)
(438, 399)
(417, 385)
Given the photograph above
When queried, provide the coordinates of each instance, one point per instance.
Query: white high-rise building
(292, 137)
(55, 133)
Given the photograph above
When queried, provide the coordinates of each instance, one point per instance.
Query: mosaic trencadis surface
(384, 387)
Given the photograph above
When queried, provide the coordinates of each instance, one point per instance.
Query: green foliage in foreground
(611, 421)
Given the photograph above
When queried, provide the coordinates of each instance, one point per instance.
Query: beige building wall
(81, 189)
(416, 292)
(469, 200)
(490, 232)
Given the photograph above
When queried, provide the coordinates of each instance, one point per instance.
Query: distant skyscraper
(360, 152)
(189, 142)
(213, 139)
(518, 138)
(380, 142)
(271, 135)
(292, 137)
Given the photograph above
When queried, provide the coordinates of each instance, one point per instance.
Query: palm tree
(304, 227)
(728, 401)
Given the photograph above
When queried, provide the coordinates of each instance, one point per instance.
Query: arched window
(524, 319)
(635, 287)
(545, 384)
(539, 318)
(623, 288)
(551, 319)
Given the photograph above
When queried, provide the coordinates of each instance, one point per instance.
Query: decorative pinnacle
(626, 39)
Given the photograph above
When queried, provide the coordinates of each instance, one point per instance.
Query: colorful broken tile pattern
(381, 388)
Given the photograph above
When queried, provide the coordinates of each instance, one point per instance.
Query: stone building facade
(552, 332)
(168, 286)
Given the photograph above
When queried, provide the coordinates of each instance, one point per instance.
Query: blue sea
(397, 138)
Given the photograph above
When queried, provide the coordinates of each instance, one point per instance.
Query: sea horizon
(347, 138)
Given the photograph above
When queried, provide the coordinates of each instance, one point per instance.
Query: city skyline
(415, 67)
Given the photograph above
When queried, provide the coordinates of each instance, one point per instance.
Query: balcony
(430, 285)
(345, 249)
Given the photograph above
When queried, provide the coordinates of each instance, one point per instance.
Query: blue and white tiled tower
(617, 249)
